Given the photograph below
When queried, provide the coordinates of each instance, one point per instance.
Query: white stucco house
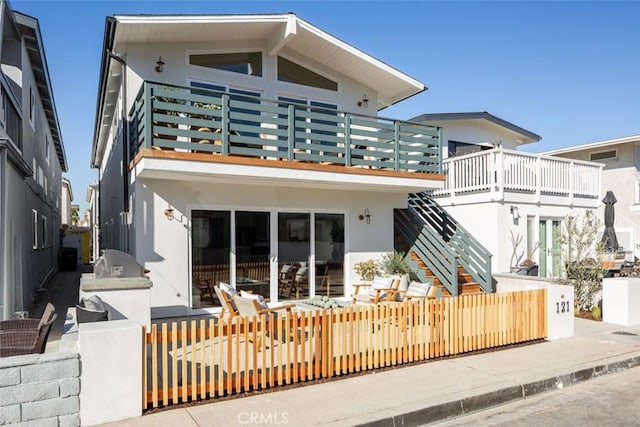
(621, 160)
(32, 159)
(66, 197)
(231, 146)
(497, 191)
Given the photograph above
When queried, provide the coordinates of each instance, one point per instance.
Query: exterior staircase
(441, 250)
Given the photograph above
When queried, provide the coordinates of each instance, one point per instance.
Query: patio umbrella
(609, 239)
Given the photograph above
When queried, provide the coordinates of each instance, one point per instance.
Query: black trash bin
(69, 259)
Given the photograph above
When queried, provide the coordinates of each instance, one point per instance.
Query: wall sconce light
(169, 213)
(365, 101)
(366, 215)
(515, 214)
(159, 65)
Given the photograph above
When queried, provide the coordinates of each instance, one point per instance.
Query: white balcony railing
(498, 171)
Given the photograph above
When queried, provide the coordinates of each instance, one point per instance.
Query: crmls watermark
(263, 418)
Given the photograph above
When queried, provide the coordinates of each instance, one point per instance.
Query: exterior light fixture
(365, 216)
(159, 65)
(514, 213)
(365, 101)
(169, 213)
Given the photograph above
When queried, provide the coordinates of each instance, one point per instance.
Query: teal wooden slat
(374, 134)
(431, 131)
(381, 124)
(319, 158)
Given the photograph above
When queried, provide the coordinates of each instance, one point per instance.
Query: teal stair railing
(442, 244)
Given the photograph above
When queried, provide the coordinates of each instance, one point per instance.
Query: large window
(34, 229)
(249, 63)
(457, 148)
(294, 73)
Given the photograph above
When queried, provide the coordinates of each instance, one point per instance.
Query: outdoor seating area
(26, 336)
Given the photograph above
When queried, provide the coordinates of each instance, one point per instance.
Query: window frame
(43, 229)
(611, 150)
(34, 229)
(226, 73)
(312, 68)
(32, 106)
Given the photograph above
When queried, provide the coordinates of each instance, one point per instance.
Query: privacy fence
(205, 359)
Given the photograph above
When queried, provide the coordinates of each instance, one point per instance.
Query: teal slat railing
(443, 228)
(199, 120)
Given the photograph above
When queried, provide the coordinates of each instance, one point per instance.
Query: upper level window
(32, 106)
(603, 155)
(293, 73)
(249, 63)
(457, 148)
(47, 148)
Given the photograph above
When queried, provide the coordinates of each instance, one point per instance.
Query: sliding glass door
(237, 248)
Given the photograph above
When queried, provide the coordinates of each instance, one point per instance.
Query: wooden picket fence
(194, 360)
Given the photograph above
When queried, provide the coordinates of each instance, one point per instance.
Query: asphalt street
(611, 400)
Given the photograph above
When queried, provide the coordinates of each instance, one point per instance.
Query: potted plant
(367, 270)
(394, 264)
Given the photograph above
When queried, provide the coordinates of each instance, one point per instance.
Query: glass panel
(249, 63)
(556, 235)
(330, 119)
(300, 104)
(543, 249)
(329, 248)
(252, 252)
(293, 73)
(531, 243)
(210, 249)
(293, 255)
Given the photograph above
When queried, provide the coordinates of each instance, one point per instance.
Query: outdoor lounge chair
(26, 336)
(226, 301)
(251, 308)
(418, 290)
(380, 289)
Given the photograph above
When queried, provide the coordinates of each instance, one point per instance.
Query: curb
(482, 401)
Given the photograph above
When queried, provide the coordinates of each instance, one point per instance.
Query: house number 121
(563, 307)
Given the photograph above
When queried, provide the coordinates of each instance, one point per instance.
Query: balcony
(189, 124)
(513, 176)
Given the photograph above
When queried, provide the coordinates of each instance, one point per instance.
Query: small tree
(581, 254)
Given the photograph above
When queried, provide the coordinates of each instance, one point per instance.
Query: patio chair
(380, 289)
(418, 290)
(26, 336)
(300, 280)
(285, 279)
(226, 300)
(251, 307)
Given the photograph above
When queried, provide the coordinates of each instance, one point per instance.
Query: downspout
(125, 145)
(4, 239)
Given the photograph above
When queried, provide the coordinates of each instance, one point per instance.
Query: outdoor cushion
(417, 289)
(257, 297)
(380, 283)
(231, 292)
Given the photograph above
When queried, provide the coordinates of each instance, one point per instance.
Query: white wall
(492, 224)
(163, 246)
(476, 132)
(141, 60)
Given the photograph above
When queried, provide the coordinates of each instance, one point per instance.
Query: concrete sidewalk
(428, 392)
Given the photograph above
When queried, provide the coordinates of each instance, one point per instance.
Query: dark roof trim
(432, 117)
(30, 31)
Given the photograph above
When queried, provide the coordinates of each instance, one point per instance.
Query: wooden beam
(254, 161)
(282, 35)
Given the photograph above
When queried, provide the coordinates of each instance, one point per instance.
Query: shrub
(367, 270)
(394, 263)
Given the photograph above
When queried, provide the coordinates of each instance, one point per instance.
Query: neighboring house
(32, 160)
(65, 207)
(504, 196)
(621, 160)
(91, 218)
(230, 147)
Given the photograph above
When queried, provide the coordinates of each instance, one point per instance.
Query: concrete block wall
(40, 390)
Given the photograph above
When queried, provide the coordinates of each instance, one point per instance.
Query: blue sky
(567, 71)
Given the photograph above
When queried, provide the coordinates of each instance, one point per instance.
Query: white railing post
(451, 176)
(500, 174)
(538, 178)
(571, 183)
